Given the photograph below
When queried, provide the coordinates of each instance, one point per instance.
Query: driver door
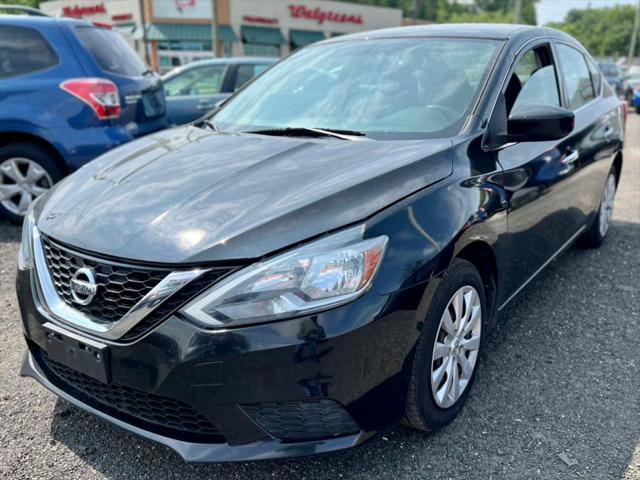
(542, 214)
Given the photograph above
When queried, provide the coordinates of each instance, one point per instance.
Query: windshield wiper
(209, 123)
(351, 135)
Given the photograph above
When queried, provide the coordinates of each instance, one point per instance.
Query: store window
(182, 45)
(177, 53)
(259, 50)
(262, 41)
(302, 38)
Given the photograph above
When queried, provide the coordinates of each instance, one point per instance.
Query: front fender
(428, 229)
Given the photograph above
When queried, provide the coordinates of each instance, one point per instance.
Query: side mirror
(528, 123)
(538, 123)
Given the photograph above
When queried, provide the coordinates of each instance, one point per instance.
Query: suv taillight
(100, 94)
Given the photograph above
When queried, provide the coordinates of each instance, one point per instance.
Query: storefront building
(177, 32)
(121, 15)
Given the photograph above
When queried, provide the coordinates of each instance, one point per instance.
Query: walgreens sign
(321, 16)
(83, 10)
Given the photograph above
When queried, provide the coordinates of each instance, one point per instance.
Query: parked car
(631, 85)
(69, 91)
(613, 74)
(196, 88)
(636, 98)
(324, 255)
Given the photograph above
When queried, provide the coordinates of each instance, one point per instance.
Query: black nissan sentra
(323, 255)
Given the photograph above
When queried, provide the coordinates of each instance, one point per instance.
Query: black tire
(36, 154)
(593, 237)
(422, 412)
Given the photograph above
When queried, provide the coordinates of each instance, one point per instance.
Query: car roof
(232, 61)
(472, 30)
(489, 31)
(220, 61)
(34, 21)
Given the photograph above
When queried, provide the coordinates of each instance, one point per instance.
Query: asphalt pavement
(557, 395)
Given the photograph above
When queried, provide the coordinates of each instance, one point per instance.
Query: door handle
(571, 157)
(204, 106)
(608, 131)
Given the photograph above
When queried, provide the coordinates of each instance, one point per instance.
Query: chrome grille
(120, 287)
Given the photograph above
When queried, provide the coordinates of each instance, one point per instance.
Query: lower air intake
(304, 420)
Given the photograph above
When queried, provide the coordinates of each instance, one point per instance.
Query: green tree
(26, 3)
(603, 31)
(487, 11)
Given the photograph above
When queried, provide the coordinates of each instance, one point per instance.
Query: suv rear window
(111, 51)
(23, 50)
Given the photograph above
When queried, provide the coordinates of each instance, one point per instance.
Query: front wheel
(448, 351)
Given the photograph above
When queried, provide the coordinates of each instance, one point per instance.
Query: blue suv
(69, 91)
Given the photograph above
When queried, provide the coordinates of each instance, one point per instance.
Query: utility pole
(517, 15)
(145, 43)
(416, 9)
(214, 28)
(634, 36)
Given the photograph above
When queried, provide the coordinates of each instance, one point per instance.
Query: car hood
(189, 195)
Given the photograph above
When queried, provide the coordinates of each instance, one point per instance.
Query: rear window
(22, 51)
(111, 51)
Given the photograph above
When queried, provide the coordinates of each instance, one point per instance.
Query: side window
(23, 50)
(576, 76)
(197, 81)
(246, 73)
(533, 81)
(596, 76)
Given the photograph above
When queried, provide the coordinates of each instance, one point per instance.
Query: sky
(555, 10)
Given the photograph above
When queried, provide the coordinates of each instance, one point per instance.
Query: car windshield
(387, 88)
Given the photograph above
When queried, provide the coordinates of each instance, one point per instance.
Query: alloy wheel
(456, 347)
(606, 207)
(21, 182)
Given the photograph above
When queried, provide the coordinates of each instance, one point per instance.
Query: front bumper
(355, 357)
(203, 452)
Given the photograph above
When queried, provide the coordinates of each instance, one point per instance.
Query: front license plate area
(78, 353)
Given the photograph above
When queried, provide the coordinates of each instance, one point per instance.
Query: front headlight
(25, 254)
(321, 275)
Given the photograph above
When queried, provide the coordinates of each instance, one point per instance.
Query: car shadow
(555, 396)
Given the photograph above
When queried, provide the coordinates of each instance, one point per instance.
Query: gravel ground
(557, 395)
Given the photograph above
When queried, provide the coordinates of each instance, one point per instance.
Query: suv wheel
(26, 172)
(448, 350)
